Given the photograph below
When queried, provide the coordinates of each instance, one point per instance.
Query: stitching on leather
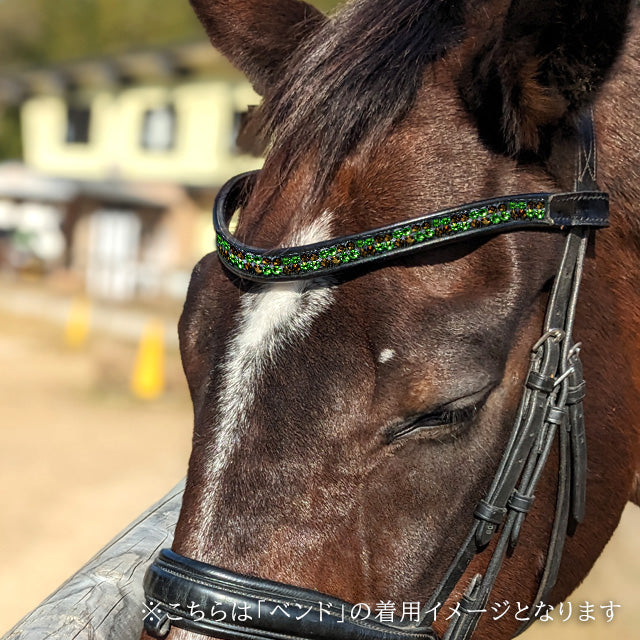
(587, 156)
(595, 220)
(578, 197)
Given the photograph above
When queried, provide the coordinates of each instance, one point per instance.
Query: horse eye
(445, 420)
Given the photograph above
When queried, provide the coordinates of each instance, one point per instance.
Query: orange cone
(148, 379)
(78, 323)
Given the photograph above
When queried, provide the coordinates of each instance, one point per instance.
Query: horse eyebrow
(344, 83)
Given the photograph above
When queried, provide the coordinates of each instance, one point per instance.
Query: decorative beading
(327, 256)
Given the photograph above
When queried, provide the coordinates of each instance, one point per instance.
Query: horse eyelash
(442, 418)
(452, 416)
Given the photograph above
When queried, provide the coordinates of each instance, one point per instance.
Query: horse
(347, 425)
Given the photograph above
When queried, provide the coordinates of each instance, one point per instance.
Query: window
(78, 122)
(159, 128)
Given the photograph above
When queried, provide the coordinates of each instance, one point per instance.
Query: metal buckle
(557, 335)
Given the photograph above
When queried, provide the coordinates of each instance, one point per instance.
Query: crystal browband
(538, 210)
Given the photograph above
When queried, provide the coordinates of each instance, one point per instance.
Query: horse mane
(353, 79)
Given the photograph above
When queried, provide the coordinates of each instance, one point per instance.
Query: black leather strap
(198, 597)
(496, 215)
(578, 443)
(572, 453)
(555, 372)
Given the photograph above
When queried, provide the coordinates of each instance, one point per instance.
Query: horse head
(347, 425)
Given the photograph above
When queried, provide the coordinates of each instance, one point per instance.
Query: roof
(188, 59)
(18, 182)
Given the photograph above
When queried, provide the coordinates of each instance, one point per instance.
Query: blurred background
(118, 124)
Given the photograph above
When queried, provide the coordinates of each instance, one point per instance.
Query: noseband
(228, 604)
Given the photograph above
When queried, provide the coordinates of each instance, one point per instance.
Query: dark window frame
(242, 136)
(147, 115)
(78, 129)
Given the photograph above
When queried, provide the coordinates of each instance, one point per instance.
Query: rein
(551, 406)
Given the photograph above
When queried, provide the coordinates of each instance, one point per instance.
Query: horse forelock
(354, 78)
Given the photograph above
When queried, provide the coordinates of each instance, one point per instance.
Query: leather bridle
(551, 407)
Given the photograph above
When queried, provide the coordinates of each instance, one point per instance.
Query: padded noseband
(225, 601)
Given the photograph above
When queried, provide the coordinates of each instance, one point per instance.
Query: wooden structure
(104, 600)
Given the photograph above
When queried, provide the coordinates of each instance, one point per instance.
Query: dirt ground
(80, 458)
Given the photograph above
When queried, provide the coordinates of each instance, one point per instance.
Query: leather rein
(551, 406)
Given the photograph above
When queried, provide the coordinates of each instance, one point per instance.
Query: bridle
(551, 406)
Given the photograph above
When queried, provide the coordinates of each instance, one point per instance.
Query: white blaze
(268, 321)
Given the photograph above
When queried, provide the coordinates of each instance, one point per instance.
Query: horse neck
(610, 300)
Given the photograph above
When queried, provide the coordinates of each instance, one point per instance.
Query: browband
(496, 215)
(199, 597)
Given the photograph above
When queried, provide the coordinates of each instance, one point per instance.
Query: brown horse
(302, 469)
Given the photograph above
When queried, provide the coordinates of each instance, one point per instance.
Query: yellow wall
(202, 154)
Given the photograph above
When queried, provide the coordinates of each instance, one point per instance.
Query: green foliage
(38, 32)
(44, 31)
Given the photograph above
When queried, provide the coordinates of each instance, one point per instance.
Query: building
(138, 144)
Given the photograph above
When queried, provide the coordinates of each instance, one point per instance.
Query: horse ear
(258, 36)
(545, 64)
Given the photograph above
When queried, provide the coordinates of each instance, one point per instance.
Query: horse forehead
(280, 311)
(313, 230)
(267, 322)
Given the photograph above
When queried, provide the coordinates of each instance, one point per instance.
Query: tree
(42, 32)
